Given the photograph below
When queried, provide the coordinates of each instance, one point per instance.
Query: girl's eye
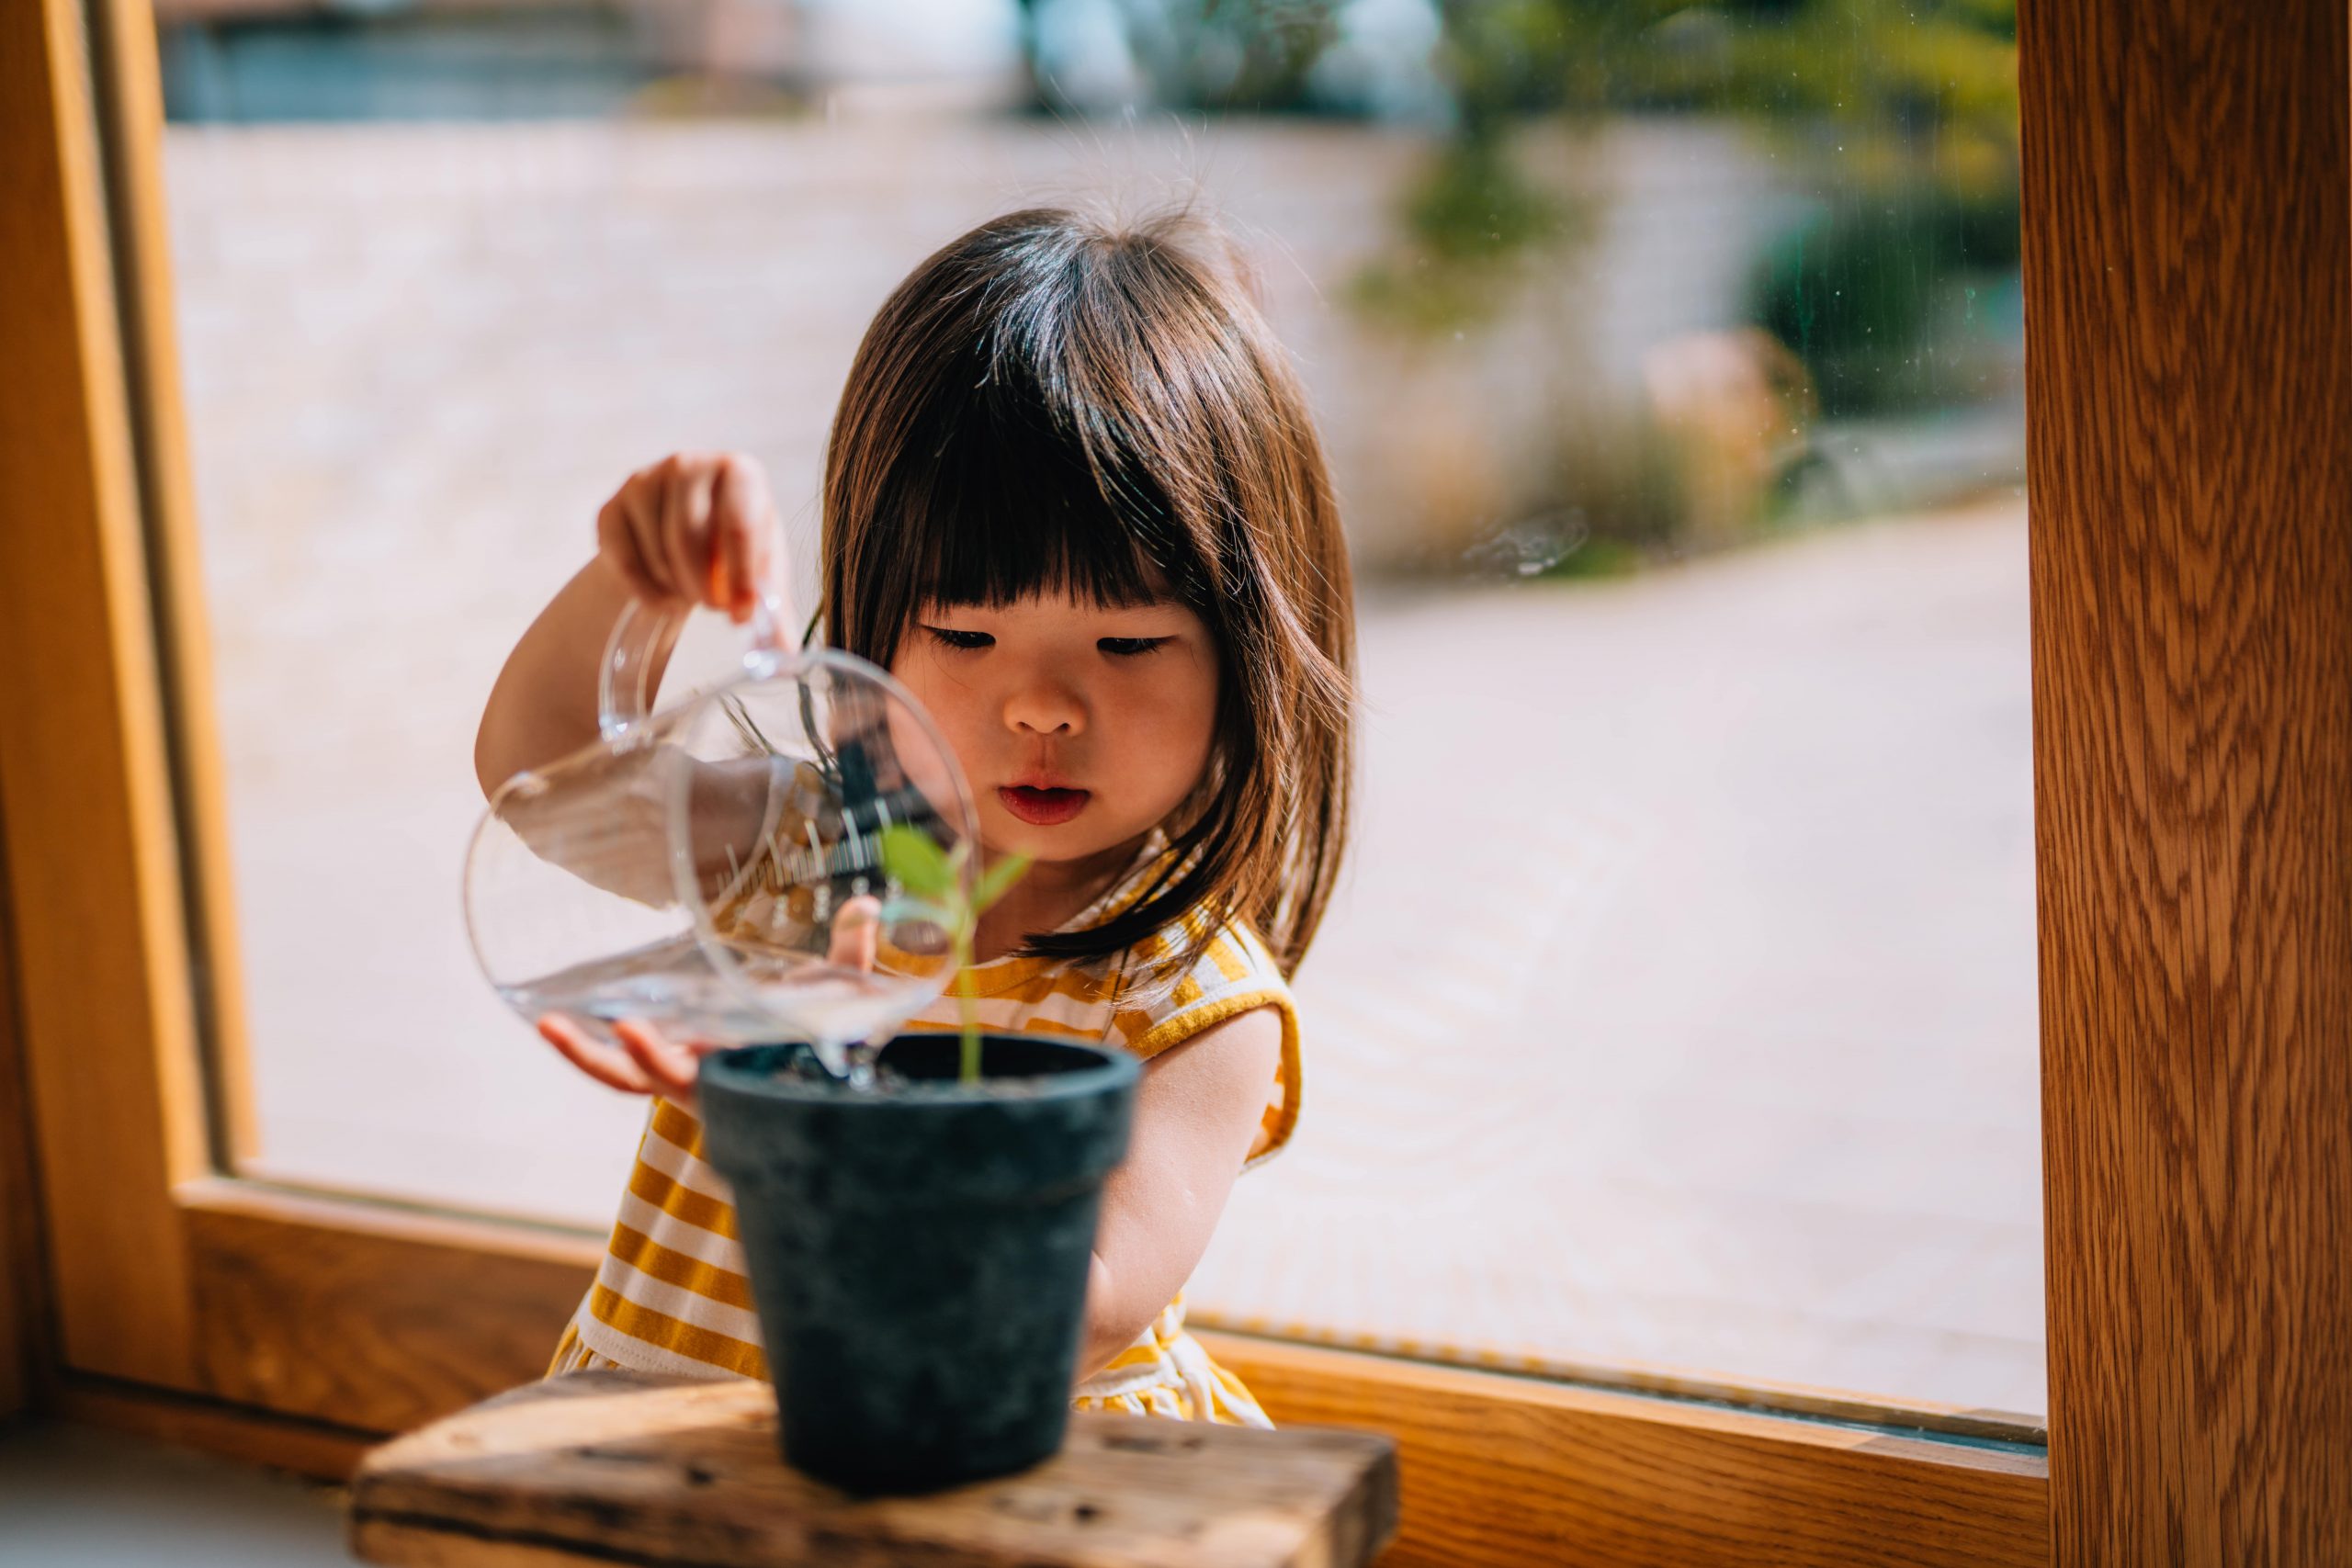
(1128, 646)
(949, 638)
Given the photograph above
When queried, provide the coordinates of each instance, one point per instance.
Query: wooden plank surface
(616, 1467)
(2189, 287)
(100, 945)
(370, 1316)
(1505, 1471)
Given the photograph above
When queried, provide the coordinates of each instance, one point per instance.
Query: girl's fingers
(641, 505)
(720, 587)
(616, 542)
(699, 528)
(757, 537)
(735, 521)
(685, 525)
(671, 1068)
(857, 932)
(604, 1064)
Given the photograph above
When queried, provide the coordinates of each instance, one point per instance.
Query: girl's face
(1080, 727)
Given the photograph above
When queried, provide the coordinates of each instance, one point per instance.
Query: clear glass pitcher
(715, 868)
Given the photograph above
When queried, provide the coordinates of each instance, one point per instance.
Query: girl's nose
(1043, 708)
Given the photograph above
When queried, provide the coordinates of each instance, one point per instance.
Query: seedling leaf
(997, 881)
(917, 863)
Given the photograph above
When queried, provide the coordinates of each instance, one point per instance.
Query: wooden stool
(616, 1466)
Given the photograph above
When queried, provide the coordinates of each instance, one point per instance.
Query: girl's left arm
(1196, 1114)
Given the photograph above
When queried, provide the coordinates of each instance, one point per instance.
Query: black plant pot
(919, 1256)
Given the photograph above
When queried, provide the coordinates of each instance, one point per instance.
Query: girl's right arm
(694, 528)
(691, 529)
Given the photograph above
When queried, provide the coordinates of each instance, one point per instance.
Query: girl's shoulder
(1186, 985)
(1191, 976)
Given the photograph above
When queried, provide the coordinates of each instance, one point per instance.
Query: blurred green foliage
(1909, 76)
(1219, 55)
(1469, 223)
(1877, 293)
(1228, 54)
(1903, 112)
(1891, 128)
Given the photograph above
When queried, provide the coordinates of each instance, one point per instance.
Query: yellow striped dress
(672, 1293)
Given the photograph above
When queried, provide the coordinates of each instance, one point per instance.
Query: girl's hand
(647, 1063)
(698, 527)
(650, 1063)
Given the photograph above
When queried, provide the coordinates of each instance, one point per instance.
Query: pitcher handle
(625, 677)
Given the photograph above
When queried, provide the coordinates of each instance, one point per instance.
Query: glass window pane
(1677, 1011)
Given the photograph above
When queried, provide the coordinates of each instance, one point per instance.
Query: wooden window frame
(2192, 665)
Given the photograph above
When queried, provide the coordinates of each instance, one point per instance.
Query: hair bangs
(997, 495)
(1013, 506)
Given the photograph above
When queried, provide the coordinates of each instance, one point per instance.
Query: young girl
(1073, 500)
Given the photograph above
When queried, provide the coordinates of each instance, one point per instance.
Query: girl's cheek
(919, 673)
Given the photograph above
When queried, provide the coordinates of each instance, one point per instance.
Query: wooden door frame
(296, 1328)
(2188, 289)
(24, 1291)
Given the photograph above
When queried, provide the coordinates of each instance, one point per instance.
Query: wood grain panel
(99, 943)
(371, 1317)
(316, 1449)
(1505, 1471)
(2188, 263)
(130, 105)
(23, 1276)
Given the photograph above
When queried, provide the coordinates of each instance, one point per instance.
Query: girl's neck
(1047, 895)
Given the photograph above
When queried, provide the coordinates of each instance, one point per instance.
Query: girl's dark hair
(1057, 402)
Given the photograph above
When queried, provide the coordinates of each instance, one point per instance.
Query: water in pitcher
(673, 986)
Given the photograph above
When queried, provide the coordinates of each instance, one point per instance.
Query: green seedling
(916, 862)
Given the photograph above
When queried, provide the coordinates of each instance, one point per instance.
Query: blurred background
(1677, 1018)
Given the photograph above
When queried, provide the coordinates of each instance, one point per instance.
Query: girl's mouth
(1042, 807)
